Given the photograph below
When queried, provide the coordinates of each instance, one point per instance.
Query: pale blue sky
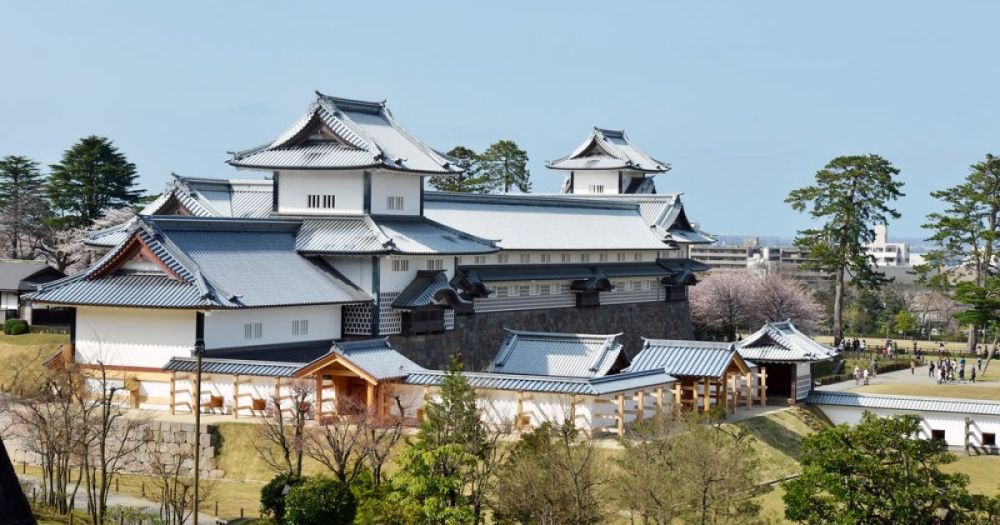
(745, 99)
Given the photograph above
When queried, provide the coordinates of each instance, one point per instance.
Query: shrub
(320, 501)
(16, 327)
(272, 495)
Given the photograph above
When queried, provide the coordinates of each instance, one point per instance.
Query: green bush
(320, 501)
(272, 495)
(16, 327)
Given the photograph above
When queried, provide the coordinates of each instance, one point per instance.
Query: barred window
(253, 331)
(501, 291)
(400, 265)
(621, 257)
(480, 259)
(602, 257)
(503, 258)
(525, 258)
(523, 290)
(300, 327)
(321, 201)
(394, 203)
(435, 264)
(546, 257)
(565, 258)
(584, 257)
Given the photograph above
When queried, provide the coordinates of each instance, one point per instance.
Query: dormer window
(321, 201)
(394, 202)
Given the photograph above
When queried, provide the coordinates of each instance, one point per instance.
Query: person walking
(864, 346)
(940, 376)
(857, 375)
(961, 373)
(973, 376)
(866, 376)
(979, 363)
(930, 370)
(913, 367)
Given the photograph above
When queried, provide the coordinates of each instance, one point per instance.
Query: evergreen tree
(472, 180)
(852, 195)
(22, 205)
(92, 177)
(437, 477)
(877, 472)
(966, 233)
(505, 166)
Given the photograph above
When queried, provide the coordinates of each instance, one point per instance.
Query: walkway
(907, 380)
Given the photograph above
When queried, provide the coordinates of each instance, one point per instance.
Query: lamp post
(199, 349)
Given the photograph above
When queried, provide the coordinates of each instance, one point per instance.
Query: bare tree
(338, 443)
(172, 478)
(775, 298)
(282, 429)
(64, 248)
(721, 302)
(108, 438)
(42, 405)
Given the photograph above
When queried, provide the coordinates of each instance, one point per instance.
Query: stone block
(205, 440)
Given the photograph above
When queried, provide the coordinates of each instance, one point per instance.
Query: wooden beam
(659, 401)
(763, 385)
(708, 398)
(370, 396)
(749, 379)
(572, 410)
(621, 415)
(173, 391)
(319, 397)
(277, 393)
(640, 399)
(236, 396)
(520, 411)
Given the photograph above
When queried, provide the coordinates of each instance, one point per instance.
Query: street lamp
(199, 349)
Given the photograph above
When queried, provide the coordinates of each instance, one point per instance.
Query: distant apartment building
(749, 256)
(888, 253)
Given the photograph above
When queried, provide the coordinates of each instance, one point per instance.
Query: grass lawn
(30, 348)
(933, 390)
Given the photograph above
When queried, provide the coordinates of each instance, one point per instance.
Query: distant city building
(888, 253)
(749, 256)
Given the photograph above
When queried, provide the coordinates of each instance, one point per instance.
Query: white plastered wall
(133, 337)
(226, 328)
(584, 180)
(296, 186)
(386, 185)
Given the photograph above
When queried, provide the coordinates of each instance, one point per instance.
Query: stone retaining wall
(158, 437)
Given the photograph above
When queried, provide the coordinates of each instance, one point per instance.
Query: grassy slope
(35, 348)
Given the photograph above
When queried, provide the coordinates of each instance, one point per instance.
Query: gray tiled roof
(684, 358)
(905, 403)
(222, 263)
(233, 367)
(606, 149)
(550, 384)
(428, 287)
(782, 342)
(664, 213)
(377, 357)
(556, 354)
(338, 133)
(362, 234)
(23, 276)
(521, 222)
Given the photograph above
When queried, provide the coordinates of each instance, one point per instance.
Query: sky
(746, 100)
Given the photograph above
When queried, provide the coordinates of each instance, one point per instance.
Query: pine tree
(472, 180)
(22, 205)
(92, 177)
(436, 481)
(966, 232)
(852, 195)
(505, 166)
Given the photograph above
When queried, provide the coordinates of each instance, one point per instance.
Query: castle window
(603, 257)
(637, 257)
(501, 292)
(596, 188)
(435, 264)
(524, 290)
(525, 258)
(479, 259)
(394, 203)
(546, 257)
(300, 327)
(400, 265)
(544, 289)
(565, 258)
(584, 257)
(321, 201)
(621, 257)
(253, 330)
(503, 258)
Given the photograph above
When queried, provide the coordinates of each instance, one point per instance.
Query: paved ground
(904, 377)
(115, 499)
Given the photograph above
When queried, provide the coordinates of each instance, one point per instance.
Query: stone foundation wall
(478, 336)
(166, 439)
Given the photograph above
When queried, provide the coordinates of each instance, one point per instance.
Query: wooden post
(319, 397)
(749, 390)
(173, 391)
(520, 411)
(722, 391)
(708, 396)
(694, 396)
(236, 396)
(734, 392)
(621, 415)
(640, 399)
(659, 401)
(762, 389)
(370, 397)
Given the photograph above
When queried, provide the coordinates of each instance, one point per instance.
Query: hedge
(16, 327)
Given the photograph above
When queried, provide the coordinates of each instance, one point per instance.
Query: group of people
(950, 370)
(889, 349)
